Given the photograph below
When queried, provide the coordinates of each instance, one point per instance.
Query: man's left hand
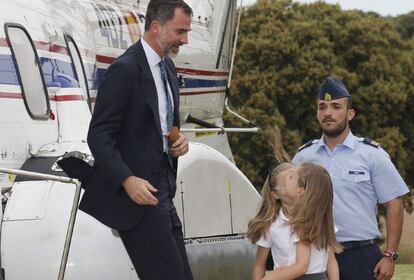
(179, 147)
(384, 269)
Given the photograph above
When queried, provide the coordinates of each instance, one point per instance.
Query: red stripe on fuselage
(104, 59)
(3, 42)
(60, 98)
(51, 47)
(11, 95)
(201, 72)
(109, 60)
(202, 92)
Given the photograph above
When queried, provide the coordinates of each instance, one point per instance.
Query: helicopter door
(79, 68)
(72, 98)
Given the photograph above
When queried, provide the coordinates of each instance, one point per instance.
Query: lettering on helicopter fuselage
(132, 24)
(110, 25)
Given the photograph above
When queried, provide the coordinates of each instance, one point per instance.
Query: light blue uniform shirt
(362, 175)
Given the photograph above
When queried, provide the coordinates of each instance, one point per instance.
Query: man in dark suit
(133, 180)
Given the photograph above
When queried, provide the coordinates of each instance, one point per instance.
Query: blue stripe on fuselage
(198, 83)
(8, 73)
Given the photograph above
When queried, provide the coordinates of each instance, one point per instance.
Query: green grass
(404, 272)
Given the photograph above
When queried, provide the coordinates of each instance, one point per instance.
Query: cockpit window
(29, 71)
(79, 67)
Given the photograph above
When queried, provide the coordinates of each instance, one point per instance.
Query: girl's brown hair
(270, 206)
(313, 219)
(269, 209)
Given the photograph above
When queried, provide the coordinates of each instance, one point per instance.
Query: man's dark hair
(349, 103)
(164, 10)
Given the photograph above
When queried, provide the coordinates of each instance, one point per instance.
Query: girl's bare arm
(259, 267)
(333, 269)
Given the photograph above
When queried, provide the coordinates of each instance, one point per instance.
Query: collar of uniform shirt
(152, 56)
(348, 142)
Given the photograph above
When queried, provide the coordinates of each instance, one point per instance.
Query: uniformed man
(362, 175)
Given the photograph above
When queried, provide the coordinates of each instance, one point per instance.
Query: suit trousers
(156, 244)
(359, 262)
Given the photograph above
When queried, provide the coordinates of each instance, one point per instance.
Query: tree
(405, 25)
(286, 50)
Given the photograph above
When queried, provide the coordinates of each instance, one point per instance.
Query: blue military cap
(332, 89)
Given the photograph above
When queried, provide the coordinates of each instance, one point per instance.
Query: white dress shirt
(153, 60)
(283, 244)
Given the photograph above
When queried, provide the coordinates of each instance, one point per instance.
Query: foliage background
(286, 50)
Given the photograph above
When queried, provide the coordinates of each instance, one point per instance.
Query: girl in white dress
(295, 223)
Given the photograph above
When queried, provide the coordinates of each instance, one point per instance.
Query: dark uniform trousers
(358, 263)
(156, 244)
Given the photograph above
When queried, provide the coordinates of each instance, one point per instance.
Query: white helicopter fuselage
(52, 55)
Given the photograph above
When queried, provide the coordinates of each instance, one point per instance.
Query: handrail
(235, 114)
(72, 219)
(235, 44)
(37, 175)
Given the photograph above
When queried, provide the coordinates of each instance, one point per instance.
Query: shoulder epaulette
(371, 142)
(307, 144)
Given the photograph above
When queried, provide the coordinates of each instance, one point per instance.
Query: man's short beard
(167, 49)
(337, 131)
(170, 54)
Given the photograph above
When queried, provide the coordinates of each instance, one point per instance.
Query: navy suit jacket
(125, 138)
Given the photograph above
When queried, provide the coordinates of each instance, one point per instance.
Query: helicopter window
(29, 71)
(80, 70)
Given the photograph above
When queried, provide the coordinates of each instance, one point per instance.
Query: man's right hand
(140, 190)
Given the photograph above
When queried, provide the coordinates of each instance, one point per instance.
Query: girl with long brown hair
(270, 229)
(295, 222)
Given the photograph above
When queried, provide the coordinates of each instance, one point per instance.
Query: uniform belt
(355, 244)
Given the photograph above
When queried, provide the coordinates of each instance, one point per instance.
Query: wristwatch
(393, 256)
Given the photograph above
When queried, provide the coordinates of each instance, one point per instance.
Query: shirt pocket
(356, 176)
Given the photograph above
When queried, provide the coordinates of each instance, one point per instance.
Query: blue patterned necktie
(170, 114)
